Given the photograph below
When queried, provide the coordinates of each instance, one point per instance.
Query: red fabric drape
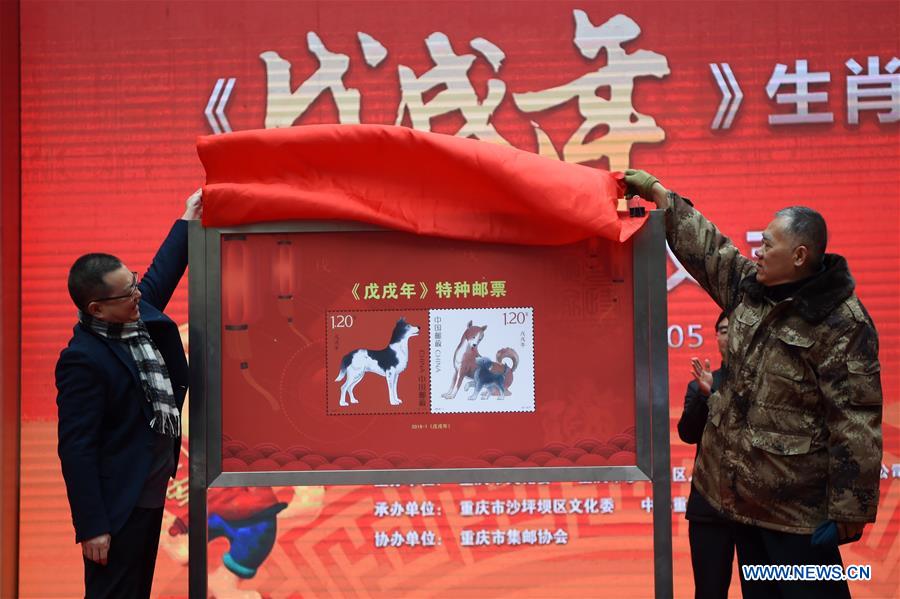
(399, 178)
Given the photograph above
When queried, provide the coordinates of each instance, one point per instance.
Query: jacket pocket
(780, 443)
(741, 329)
(747, 316)
(865, 382)
(793, 338)
(786, 363)
(782, 419)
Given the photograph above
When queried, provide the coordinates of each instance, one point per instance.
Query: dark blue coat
(105, 440)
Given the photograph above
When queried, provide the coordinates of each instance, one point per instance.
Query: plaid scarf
(151, 367)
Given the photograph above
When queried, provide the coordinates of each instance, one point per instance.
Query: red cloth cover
(399, 178)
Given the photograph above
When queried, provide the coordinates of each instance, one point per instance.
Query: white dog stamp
(482, 360)
(376, 362)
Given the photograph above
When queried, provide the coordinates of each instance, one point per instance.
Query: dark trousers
(131, 560)
(712, 556)
(761, 546)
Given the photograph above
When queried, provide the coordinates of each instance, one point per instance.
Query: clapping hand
(703, 375)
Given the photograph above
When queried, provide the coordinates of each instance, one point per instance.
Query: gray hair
(808, 228)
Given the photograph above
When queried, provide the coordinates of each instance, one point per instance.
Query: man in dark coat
(710, 534)
(121, 383)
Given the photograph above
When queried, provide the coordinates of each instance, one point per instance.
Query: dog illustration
(464, 358)
(388, 362)
(465, 362)
(493, 378)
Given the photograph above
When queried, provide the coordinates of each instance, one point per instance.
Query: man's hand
(193, 206)
(703, 375)
(647, 186)
(847, 530)
(96, 549)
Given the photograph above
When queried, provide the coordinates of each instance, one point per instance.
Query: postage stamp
(482, 360)
(376, 362)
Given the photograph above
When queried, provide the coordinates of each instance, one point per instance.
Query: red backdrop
(114, 95)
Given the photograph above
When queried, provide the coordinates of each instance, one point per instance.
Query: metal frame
(651, 399)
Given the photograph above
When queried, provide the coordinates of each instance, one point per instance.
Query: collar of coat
(819, 296)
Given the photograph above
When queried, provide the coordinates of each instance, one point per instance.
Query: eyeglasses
(132, 289)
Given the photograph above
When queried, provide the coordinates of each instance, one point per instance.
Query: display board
(375, 350)
(289, 319)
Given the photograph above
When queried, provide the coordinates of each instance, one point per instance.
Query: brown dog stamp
(482, 360)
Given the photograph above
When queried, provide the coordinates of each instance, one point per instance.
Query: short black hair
(807, 227)
(722, 316)
(86, 278)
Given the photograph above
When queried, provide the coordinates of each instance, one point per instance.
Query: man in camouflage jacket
(793, 437)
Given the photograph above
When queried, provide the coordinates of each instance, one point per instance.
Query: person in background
(709, 533)
(121, 383)
(791, 452)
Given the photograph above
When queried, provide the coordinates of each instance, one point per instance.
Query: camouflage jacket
(793, 436)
